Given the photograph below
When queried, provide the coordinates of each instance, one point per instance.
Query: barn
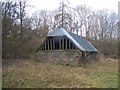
(67, 46)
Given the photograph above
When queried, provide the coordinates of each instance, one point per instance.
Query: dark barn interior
(57, 43)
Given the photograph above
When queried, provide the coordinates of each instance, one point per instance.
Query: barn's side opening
(57, 43)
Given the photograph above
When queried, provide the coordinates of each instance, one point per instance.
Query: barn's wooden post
(83, 58)
(48, 44)
(69, 45)
(51, 43)
(66, 44)
(62, 43)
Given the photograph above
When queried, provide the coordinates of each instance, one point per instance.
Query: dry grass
(32, 74)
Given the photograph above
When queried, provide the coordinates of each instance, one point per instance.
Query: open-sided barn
(62, 40)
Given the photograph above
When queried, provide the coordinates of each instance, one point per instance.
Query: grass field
(32, 74)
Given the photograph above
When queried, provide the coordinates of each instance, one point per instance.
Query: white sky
(54, 4)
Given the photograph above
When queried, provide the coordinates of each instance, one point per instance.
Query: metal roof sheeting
(80, 42)
(57, 32)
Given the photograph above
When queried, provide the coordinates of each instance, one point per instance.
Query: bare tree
(40, 22)
(9, 17)
(21, 7)
(63, 18)
(82, 13)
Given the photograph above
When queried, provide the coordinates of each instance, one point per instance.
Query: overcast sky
(54, 4)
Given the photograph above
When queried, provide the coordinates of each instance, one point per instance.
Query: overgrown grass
(32, 74)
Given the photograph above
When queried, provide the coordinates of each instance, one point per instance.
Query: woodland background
(22, 34)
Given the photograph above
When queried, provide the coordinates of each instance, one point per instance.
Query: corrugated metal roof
(57, 32)
(84, 43)
(80, 42)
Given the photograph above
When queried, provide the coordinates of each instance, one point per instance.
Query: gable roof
(80, 42)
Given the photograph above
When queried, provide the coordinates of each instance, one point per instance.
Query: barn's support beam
(66, 43)
(48, 44)
(83, 59)
(51, 44)
(69, 44)
(63, 43)
(60, 44)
